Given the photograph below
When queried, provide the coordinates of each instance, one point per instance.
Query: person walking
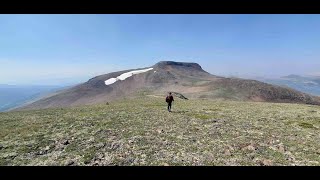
(169, 100)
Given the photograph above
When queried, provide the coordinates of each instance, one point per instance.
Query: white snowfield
(110, 81)
(125, 76)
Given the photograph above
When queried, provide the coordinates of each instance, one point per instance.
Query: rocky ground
(141, 132)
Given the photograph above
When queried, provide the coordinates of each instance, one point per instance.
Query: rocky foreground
(141, 132)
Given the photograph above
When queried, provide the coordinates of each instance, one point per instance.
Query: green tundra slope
(141, 132)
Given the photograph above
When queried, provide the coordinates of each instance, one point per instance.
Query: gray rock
(281, 148)
(115, 146)
(87, 161)
(29, 145)
(47, 148)
(100, 145)
(65, 142)
(266, 162)
(227, 152)
(69, 162)
(129, 160)
(160, 131)
(41, 152)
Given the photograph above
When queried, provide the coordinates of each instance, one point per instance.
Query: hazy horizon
(70, 49)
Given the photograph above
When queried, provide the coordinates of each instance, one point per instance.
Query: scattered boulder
(115, 146)
(227, 152)
(29, 145)
(160, 131)
(65, 142)
(281, 148)
(289, 156)
(250, 148)
(69, 163)
(87, 161)
(1, 146)
(230, 148)
(100, 145)
(266, 162)
(47, 148)
(10, 155)
(129, 160)
(41, 152)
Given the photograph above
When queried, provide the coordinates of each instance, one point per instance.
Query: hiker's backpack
(167, 99)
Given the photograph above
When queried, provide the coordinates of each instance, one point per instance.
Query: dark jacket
(169, 99)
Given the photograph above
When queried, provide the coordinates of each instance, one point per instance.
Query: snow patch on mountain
(111, 81)
(125, 76)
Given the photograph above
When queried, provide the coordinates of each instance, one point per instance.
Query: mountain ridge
(187, 78)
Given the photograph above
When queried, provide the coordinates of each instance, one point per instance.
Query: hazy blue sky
(54, 49)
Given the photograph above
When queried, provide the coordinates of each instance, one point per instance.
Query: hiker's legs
(169, 106)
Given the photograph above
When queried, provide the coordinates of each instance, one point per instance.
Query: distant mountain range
(307, 84)
(185, 78)
(12, 96)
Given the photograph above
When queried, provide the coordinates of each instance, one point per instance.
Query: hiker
(169, 100)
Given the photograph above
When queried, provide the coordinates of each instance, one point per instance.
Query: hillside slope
(141, 132)
(188, 79)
